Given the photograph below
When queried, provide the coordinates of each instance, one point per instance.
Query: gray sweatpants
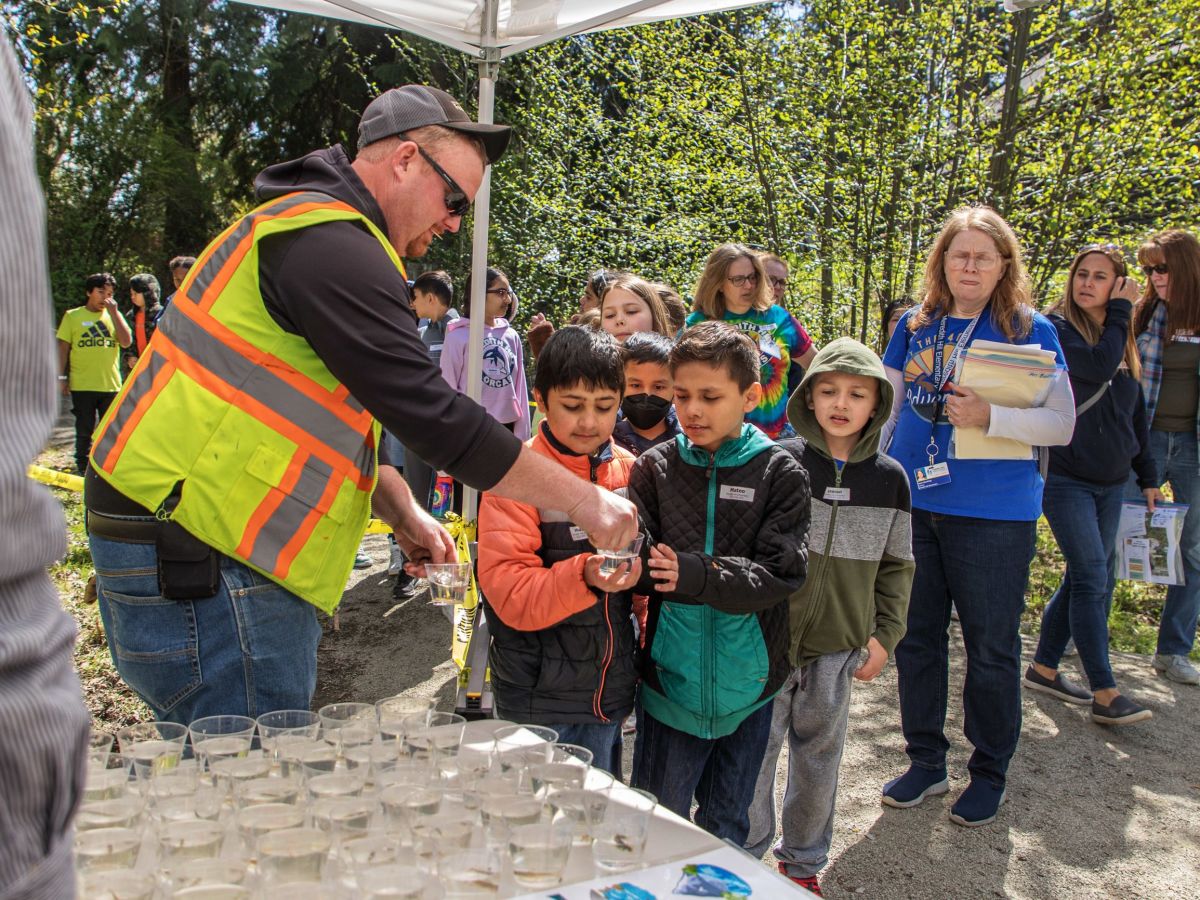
(811, 710)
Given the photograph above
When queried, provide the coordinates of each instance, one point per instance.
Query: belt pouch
(188, 568)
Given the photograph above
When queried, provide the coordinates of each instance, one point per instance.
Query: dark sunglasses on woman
(1160, 269)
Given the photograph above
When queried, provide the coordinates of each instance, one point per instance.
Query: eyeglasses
(502, 292)
(1160, 269)
(778, 282)
(739, 280)
(984, 262)
(457, 201)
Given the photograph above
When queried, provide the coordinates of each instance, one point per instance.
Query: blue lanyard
(940, 380)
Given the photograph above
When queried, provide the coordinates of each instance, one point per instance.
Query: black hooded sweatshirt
(1112, 436)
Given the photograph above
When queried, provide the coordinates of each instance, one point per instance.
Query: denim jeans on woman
(979, 567)
(249, 649)
(1084, 518)
(1178, 460)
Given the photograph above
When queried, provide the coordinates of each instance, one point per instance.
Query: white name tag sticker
(732, 492)
(836, 493)
(435, 348)
(578, 534)
(933, 476)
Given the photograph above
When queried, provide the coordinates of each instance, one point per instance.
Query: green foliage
(838, 133)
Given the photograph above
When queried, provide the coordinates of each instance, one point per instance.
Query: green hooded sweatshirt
(860, 564)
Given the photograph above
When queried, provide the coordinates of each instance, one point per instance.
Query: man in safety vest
(231, 480)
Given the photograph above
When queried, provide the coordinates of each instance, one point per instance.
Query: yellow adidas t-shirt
(95, 360)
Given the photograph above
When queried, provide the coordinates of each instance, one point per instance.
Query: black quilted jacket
(717, 647)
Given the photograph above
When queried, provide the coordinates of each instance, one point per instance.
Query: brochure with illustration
(1148, 543)
(727, 873)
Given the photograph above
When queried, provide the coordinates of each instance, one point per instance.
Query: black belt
(125, 531)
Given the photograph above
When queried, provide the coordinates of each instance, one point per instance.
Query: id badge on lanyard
(938, 473)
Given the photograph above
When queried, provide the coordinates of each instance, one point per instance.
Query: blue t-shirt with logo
(982, 488)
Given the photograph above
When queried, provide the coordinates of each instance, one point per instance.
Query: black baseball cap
(417, 105)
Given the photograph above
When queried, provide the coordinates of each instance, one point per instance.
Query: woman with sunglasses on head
(734, 288)
(1084, 488)
(1167, 326)
(505, 395)
(973, 520)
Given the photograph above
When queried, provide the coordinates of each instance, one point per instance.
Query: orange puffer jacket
(561, 651)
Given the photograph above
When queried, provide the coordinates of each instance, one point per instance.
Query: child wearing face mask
(649, 416)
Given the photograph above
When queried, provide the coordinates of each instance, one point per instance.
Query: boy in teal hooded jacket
(726, 514)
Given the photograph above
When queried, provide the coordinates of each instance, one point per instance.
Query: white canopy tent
(490, 31)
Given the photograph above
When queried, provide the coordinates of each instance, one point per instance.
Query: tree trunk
(1001, 170)
(826, 241)
(185, 228)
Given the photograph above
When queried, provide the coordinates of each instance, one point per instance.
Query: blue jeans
(1178, 460)
(720, 773)
(603, 740)
(1084, 518)
(980, 567)
(249, 649)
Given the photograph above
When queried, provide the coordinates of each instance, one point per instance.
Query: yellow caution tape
(55, 478)
(69, 482)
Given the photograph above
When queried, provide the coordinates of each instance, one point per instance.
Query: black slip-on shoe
(1058, 686)
(1122, 711)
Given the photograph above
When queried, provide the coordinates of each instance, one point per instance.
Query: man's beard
(418, 246)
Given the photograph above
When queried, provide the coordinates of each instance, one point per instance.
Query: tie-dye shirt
(781, 339)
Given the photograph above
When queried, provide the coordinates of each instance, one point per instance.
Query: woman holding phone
(1084, 488)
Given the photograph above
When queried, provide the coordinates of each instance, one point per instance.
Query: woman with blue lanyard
(1167, 325)
(974, 520)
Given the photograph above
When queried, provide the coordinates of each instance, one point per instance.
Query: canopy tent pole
(489, 65)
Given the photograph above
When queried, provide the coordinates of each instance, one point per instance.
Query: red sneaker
(808, 882)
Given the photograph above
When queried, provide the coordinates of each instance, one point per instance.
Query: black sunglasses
(1160, 269)
(457, 202)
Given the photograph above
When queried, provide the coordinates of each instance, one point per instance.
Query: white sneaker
(396, 561)
(1176, 668)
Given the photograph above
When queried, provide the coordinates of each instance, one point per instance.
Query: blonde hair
(1081, 321)
(709, 298)
(677, 311)
(1011, 310)
(1180, 252)
(660, 321)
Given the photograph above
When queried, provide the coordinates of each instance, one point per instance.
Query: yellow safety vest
(277, 460)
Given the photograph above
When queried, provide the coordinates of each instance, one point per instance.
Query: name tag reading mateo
(732, 492)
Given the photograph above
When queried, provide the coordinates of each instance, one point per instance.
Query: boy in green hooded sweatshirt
(847, 619)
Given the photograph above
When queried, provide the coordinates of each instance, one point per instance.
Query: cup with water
(621, 556)
(447, 582)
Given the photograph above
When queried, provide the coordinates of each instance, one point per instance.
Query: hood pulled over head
(852, 358)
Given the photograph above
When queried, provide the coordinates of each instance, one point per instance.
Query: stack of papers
(1018, 376)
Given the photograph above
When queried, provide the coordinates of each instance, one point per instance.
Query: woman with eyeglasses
(505, 395)
(1086, 481)
(1167, 326)
(734, 288)
(973, 520)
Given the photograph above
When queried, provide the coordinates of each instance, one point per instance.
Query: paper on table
(1019, 380)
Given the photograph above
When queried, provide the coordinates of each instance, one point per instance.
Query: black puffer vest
(582, 670)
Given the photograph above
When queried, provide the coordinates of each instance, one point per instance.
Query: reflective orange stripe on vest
(331, 424)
